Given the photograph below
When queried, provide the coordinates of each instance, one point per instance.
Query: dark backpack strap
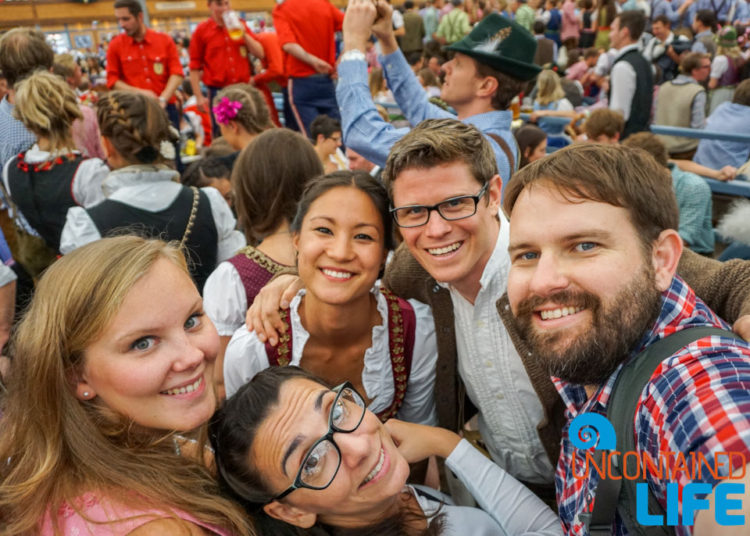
(401, 328)
(619, 495)
(281, 354)
(506, 149)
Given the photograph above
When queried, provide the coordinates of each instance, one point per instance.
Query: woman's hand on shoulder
(263, 315)
(169, 527)
(417, 442)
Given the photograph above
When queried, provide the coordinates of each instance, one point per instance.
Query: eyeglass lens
(321, 464)
(452, 209)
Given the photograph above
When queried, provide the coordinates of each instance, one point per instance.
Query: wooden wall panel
(51, 13)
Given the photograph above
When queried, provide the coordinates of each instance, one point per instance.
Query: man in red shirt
(305, 29)
(143, 60)
(273, 71)
(217, 58)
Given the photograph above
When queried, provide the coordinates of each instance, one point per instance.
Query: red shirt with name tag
(145, 64)
(222, 60)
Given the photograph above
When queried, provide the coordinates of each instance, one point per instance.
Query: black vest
(115, 218)
(44, 197)
(640, 106)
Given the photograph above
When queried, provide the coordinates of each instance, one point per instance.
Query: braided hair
(135, 125)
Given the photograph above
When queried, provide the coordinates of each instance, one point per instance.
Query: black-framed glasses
(455, 208)
(322, 461)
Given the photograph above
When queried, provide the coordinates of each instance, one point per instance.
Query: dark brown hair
(621, 176)
(233, 430)
(133, 6)
(634, 20)
(507, 86)
(268, 179)
(434, 142)
(135, 124)
(23, 51)
(356, 179)
(528, 137)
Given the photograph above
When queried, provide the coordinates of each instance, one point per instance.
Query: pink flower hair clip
(225, 110)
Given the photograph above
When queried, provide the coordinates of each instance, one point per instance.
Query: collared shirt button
(480, 323)
(488, 364)
(499, 396)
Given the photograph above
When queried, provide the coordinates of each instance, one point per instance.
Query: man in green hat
(490, 67)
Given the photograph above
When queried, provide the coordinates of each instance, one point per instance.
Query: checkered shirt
(698, 400)
(14, 138)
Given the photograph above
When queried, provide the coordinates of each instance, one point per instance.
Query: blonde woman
(52, 176)
(550, 97)
(241, 114)
(725, 68)
(379, 87)
(104, 419)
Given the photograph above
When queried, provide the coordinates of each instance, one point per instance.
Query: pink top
(103, 511)
(576, 71)
(86, 134)
(570, 23)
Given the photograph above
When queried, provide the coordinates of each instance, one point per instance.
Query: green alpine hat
(502, 44)
(727, 37)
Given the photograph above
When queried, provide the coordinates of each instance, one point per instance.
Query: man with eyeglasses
(443, 183)
(445, 191)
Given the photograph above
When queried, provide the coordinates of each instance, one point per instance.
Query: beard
(591, 355)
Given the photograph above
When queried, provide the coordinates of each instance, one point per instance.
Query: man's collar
(146, 32)
(627, 48)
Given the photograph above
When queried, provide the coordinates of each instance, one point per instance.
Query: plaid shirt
(697, 401)
(15, 138)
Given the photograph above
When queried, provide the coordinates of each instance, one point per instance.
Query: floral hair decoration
(225, 110)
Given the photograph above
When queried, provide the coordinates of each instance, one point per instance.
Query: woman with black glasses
(306, 459)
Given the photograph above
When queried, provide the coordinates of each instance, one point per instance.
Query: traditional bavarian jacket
(399, 368)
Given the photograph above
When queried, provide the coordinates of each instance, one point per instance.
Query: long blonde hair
(47, 106)
(732, 52)
(58, 447)
(548, 88)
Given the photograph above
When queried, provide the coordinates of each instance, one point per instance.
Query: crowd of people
(363, 271)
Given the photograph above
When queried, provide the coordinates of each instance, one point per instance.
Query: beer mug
(234, 25)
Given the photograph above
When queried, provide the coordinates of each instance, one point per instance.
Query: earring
(86, 394)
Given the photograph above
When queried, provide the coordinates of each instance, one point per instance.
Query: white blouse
(225, 299)
(152, 188)
(246, 356)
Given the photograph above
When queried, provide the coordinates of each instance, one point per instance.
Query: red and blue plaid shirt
(698, 400)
